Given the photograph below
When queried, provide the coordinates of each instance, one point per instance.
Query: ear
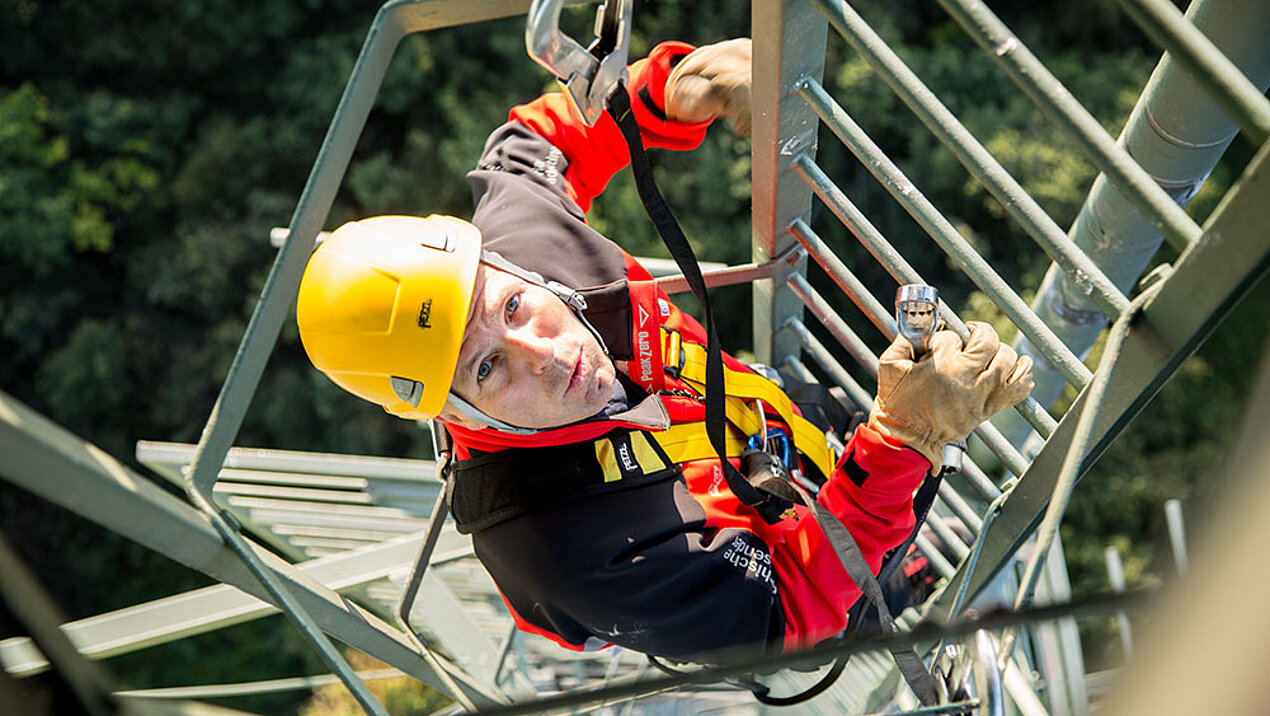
(454, 417)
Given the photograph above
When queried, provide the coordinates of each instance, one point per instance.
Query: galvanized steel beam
(1224, 81)
(202, 610)
(50, 462)
(942, 231)
(891, 260)
(1056, 102)
(1177, 133)
(1209, 280)
(972, 155)
(789, 45)
(205, 609)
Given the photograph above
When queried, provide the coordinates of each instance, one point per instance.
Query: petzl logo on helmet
(425, 313)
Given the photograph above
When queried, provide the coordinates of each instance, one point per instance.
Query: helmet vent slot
(411, 391)
(442, 241)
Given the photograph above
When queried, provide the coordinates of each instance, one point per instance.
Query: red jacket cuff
(879, 455)
(596, 153)
(648, 92)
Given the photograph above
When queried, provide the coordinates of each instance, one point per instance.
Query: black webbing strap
(619, 107)
(922, 503)
(909, 663)
(764, 695)
(768, 507)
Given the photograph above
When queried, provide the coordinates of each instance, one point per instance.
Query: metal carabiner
(771, 440)
(587, 75)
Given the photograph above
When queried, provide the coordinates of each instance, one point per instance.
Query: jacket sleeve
(596, 153)
(872, 492)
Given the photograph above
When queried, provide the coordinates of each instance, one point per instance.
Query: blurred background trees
(146, 151)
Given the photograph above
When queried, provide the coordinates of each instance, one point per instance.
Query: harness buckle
(773, 441)
(587, 75)
(777, 443)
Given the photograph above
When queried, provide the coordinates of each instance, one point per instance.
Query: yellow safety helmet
(382, 308)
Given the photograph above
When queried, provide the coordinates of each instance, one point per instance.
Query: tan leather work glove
(945, 395)
(714, 80)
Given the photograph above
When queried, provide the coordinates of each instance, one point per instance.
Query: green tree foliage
(147, 151)
(401, 695)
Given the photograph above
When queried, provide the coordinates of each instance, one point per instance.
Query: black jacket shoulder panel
(495, 487)
(639, 569)
(525, 215)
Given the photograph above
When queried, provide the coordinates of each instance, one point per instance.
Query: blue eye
(512, 304)
(483, 370)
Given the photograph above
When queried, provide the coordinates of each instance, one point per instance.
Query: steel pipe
(972, 155)
(897, 266)
(947, 534)
(925, 213)
(938, 561)
(820, 308)
(958, 506)
(829, 318)
(1177, 133)
(1077, 448)
(1225, 82)
(847, 281)
(1056, 103)
(825, 359)
(980, 481)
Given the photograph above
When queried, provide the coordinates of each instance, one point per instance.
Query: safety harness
(490, 488)
(494, 487)
(767, 488)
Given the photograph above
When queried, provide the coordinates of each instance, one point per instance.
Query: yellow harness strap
(688, 441)
(741, 388)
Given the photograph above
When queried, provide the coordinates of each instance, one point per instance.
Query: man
(572, 390)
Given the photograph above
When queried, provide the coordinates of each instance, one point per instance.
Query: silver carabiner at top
(587, 75)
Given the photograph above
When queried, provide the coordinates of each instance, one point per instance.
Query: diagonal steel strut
(1210, 278)
(49, 461)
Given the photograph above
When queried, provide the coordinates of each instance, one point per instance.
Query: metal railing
(1246, 103)
(1224, 258)
(394, 21)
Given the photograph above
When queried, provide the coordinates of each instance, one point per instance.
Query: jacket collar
(647, 414)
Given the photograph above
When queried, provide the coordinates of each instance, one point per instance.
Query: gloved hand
(713, 80)
(945, 395)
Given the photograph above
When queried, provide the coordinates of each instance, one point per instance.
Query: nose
(537, 351)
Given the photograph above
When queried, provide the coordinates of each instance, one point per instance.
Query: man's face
(526, 358)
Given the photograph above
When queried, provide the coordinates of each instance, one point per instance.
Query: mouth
(577, 375)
